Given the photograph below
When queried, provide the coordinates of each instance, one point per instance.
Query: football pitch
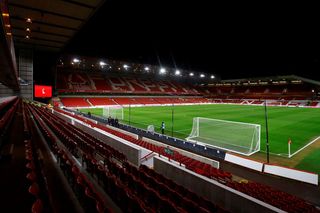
(301, 125)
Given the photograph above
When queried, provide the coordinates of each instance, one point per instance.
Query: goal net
(113, 112)
(242, 138)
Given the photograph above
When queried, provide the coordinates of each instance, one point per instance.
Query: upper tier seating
(288, 92)
(98, 83)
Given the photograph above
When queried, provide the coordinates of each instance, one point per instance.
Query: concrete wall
(214, 191)
(6, 92)
(25, 62)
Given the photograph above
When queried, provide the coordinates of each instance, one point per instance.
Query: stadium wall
(294, 174)
(281, 171)
(218, 193)
(251, 164)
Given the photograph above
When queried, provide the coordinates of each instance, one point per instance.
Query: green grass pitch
(300, 124)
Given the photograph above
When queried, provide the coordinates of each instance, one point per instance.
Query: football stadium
(101, 114)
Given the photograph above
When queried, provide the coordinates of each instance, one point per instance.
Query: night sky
(232, 40)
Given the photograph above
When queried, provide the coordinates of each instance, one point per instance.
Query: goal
(113, 112)
(238, 137)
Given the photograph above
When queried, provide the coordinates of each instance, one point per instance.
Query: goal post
(113, 112)
(238, 137)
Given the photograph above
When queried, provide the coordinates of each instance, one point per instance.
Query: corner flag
(289, 146)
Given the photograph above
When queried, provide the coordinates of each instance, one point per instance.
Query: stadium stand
(113, 176)
(75, 102)
(97, 83)
(56, 158)
(267, 194)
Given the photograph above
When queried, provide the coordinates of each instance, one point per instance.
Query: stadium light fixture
(125, 66)
(146, 68)
(177, 72)
(102, 63)
(163, 71)
(202, 76)
(191, 74)
(212, 77)
(76, 60)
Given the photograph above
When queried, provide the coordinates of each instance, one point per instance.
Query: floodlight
(212, 76)
(177, 72)
(191, 74)
(125, 66)
(102, 63)
(75, 60)
(146, 68)
(163, 71)
(202, 76)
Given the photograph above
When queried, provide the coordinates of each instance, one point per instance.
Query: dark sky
(232, 40)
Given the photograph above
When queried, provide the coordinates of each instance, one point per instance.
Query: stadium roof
(52, 23)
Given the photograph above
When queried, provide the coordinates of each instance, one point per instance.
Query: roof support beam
(79, 4)
(44, 23)
(41, 39)
(43, 32)
(45, 11)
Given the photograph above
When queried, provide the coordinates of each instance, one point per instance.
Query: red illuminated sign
(41, 91)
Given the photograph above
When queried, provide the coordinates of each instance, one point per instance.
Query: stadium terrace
(106, 134)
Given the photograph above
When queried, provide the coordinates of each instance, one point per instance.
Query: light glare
(75, 60)
(102, 63)
(162, 71)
